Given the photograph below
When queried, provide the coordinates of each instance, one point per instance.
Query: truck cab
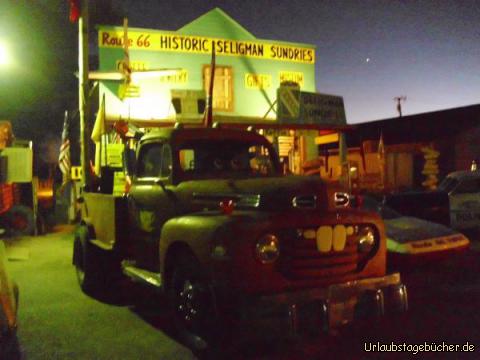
(211, 220)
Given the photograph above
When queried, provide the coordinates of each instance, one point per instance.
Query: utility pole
(208, 115)
(83, 92)
(399, 100)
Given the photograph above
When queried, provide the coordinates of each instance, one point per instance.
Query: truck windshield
(225, 158)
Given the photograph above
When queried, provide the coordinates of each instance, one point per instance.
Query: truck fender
(194, 233)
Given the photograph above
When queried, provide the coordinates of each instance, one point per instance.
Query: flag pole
(381, 158)
(64, 154)
(83, 90)
(105, 138)
(73, 189)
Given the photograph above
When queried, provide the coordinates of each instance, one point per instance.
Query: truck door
(465, 204)
(151, 202)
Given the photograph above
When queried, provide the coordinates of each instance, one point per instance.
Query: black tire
(98, 271)
(193, 305)
(87, 262)
(20, 221)
(41, 225)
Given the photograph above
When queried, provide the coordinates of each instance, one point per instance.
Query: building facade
(421, 149)
(157, 77)
(248, 71)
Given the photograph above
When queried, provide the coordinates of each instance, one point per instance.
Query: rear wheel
(193, 304)
(86, 261)
(20, 220)
(98, 271)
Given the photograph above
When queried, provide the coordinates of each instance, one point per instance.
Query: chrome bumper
(330, 308)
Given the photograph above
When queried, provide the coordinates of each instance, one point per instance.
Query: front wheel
(193, 304)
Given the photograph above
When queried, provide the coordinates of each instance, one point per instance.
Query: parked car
(433, 205)
(455, 203)
(413, 240)
(463, 189)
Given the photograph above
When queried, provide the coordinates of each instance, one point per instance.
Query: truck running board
(142, 275)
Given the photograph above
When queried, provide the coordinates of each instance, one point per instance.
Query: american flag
(64, 157)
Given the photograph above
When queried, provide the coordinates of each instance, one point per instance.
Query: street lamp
(4, 55)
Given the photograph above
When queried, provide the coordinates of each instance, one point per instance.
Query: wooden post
(83, 91)
(208, 116)
(345, 179)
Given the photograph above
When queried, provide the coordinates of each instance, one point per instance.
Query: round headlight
(366, 240)
(267, 249)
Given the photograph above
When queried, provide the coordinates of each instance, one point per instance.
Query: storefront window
(222, 87)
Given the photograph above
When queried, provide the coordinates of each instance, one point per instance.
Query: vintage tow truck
(211, 220)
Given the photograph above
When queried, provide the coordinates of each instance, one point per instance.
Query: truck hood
(272, 193)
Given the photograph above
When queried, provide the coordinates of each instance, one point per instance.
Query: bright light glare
(4, 55)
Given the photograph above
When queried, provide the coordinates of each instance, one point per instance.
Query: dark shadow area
(443, 298)
(154, 309)
(10, 347)
(120, 292)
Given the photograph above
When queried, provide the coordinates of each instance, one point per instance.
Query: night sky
(367, 51)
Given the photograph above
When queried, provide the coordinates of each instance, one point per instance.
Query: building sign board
(322, 109)
(173, 42)
(256, 68)
(258, 81)
(20, 164)
(180, 77)
(313, 108)
(76, 173)
(292, 76)
(135, 65)
(327, 139)
(288, 103)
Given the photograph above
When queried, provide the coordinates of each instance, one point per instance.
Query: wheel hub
(188, 301)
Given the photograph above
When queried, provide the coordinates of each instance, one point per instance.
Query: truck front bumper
(325, 309)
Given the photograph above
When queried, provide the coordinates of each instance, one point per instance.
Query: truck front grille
(302, 259)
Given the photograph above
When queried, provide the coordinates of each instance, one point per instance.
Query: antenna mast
(399, 100)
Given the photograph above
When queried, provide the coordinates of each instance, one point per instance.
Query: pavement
(56, 320)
